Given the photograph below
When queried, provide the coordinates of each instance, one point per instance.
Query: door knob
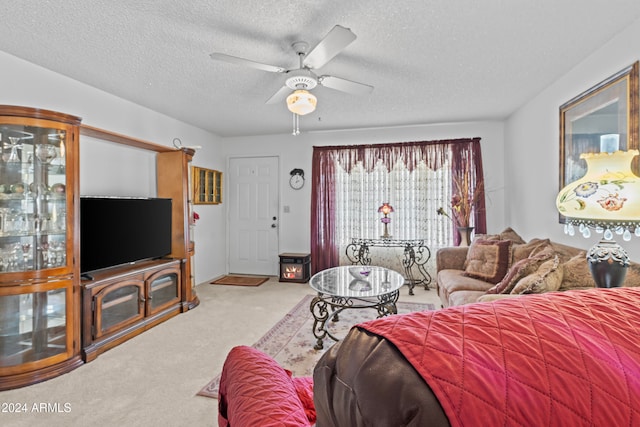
(273, 226)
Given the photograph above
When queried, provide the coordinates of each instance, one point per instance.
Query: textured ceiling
(429, 61)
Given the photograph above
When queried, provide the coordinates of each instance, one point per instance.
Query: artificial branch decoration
(463, 201)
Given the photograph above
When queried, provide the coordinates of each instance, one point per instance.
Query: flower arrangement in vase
(463, 202)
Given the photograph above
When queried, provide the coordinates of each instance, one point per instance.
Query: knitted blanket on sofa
(569, 358)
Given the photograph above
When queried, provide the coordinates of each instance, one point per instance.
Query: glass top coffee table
(340, 288)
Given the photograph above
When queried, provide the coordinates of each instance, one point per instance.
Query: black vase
(608, 263)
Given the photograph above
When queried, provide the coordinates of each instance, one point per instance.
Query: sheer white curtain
(414, 194)
(350, 182)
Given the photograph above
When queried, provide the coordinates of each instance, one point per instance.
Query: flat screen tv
(120, 230)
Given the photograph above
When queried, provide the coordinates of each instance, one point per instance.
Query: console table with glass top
(347, 287)
(416, 253)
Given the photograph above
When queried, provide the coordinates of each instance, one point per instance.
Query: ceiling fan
(301, 80)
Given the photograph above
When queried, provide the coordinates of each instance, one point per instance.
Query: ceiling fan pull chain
(296, 124)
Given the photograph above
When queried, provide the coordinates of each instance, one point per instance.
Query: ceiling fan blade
(241, 61)
(338, 38)
(345, 85)
(280, 95)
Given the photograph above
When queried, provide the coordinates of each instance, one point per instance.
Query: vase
(608, 264)
(465, 235)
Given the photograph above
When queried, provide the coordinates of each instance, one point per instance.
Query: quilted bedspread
(256, 391)
(568, 358)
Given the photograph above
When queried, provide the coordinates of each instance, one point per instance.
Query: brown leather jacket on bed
(373, 386)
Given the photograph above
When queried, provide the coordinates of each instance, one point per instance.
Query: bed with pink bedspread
(555, 359)
(564, 359)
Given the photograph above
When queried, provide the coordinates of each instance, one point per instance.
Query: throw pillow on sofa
(519, 270)
(506, 234)
(488, 260)
(633, 275)
(577, 273)
(510, 234)
(533, 247)
(547, 278)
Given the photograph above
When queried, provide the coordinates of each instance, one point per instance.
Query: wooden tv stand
(121, 302)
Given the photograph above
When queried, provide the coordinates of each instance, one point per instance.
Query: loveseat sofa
(553, 359)
(503, 265)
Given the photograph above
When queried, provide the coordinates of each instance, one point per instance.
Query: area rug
(238, 280)
(290, 342)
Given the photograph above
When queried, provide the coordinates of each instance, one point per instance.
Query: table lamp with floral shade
(606, 200)
(385, 209)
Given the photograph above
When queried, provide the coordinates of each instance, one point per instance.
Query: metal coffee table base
(328, 307)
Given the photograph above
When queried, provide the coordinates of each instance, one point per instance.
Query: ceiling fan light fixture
(301, 102)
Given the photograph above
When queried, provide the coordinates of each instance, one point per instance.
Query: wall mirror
(608, 108)
(207, 186)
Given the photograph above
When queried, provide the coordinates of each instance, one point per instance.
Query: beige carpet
(238, 280)
(152, 379)
(290, 342)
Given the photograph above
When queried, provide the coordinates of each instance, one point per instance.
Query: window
(414, 194)
(349, 183)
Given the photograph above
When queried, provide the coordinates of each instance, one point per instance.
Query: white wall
(296, 152)
(111, 169)
(532, 144)
(520, 156)
(211, 228)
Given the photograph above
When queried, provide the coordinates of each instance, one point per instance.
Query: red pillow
(256, 391)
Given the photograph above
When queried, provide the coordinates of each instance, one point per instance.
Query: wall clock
(297, 179)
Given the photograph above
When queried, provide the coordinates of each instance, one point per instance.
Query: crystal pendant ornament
(608, 235)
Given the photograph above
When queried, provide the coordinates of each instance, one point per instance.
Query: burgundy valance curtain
(433, 153)
(463, 155)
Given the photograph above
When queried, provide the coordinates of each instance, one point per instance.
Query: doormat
(290, 342)
(237, 280)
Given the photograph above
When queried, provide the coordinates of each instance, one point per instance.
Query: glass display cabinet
(39, 309)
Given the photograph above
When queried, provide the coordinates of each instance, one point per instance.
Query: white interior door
(253, 215)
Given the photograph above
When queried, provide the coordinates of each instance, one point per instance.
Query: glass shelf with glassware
(32, 198)
(22, 254)
(16, 221)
